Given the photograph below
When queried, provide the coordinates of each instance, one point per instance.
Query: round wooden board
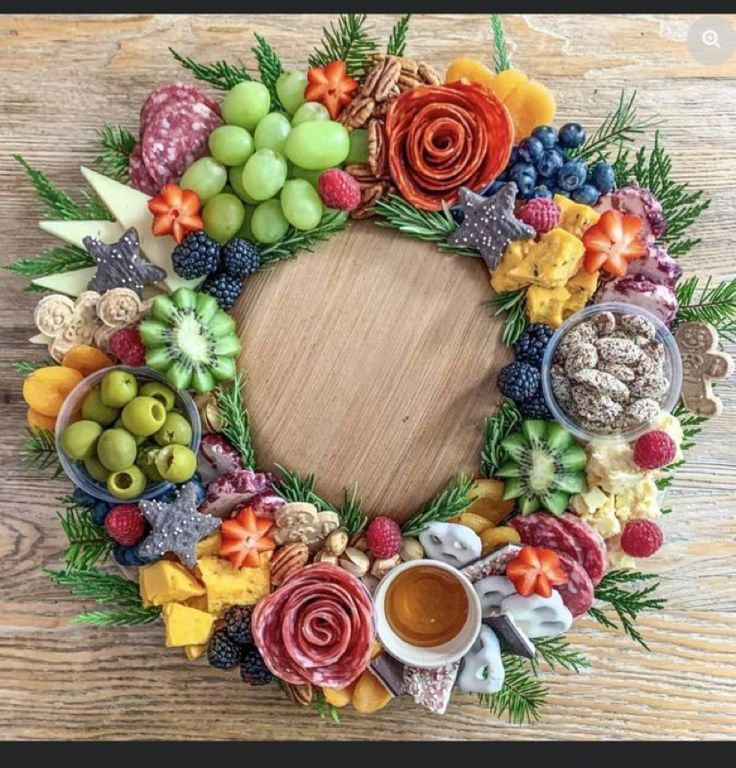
(372, 361)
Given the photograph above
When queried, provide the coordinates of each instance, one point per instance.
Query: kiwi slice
(191, 340)
(545, 466)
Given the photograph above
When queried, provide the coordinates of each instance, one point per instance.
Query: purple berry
(531, 149)
(603, 177)
(546, 134)
(586, 195)
(571, 135)
(550, 163)
(541, 191)
(572, 175)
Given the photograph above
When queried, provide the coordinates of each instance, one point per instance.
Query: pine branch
(556, 652)
(501, 59)
(269, 67)
(38, 452)
(451, 502)
(125, 616)
(522, 694)
(33, 288)
(513, 305)
(397, 39)
(220, 75)
(629, 593)
(347, 41)
(324, 709)
(115, 145)
(497, 427)
(352, 518)
(295, 241)
(52, 261)
(691, 425)
(295, 487)
(88, 543)
(26, 367)
(236, 419)
(708, 303)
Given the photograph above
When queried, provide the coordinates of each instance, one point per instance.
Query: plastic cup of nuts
(609, 371)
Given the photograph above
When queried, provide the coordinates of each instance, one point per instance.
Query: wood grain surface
(371, 360)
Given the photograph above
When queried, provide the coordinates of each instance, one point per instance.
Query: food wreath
(246, 567)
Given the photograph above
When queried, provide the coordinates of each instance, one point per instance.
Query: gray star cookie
(176, 527)
(489, 224)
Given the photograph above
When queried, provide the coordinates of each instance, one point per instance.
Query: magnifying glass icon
(710, 38)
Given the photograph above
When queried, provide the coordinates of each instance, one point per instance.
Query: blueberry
(571, 135)
(168, 495)
(83, 499)
(541, 191)
(493, 187)
(563, 151)
(546, 134)
(99, 512)
(531, 149)
(522, 168)
(513, 157)
(201, 493)
(572, 175)
(133, 558)
(550, 163)
(524, 184)
(586, 195)
(120, 554)
(603, 177)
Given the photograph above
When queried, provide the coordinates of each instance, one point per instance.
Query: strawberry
(331, 86)
(175, 212)
(613, 242)
(244, 539)
(535, 570)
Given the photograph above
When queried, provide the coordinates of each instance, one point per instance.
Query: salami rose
(443, 137)
(317, 627)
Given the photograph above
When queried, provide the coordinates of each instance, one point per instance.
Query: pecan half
(357, 113)
(428, 74)
(370, 194)
(300, 693)
(362, 173)
(287, 560)
(377, 149)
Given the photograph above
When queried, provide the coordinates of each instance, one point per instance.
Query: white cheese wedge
(71, 283)
(74, 232)
(40, 338)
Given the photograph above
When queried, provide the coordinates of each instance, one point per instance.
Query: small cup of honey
(427, 613)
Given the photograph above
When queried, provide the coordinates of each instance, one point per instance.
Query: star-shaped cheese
(489, 223)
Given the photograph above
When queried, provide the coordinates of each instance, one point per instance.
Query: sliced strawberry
(331, 86)
(175, 212)
(244, 539)
(535, 570)
(613, 242)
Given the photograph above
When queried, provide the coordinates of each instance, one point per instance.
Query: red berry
(384, 537)
(125, 524)
(541, 213)
(339, 189)
(641, 538)
(127, 345)
(654, 449)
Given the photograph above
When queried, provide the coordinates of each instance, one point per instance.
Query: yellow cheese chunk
(193, 652)
(576, 218)
(199, 602)
(186, 626)
(544, 305)
(551, 261)
(210, 545)
(166, 582)
(228, 586)
(512, 257)
(582, 286)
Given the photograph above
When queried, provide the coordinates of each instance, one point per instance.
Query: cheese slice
(71, 283)
(40, 338)
(74, 232)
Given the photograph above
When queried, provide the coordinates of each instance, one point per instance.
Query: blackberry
(196, 256)
(536, 408)
(222, 652)
(530, 347)
(237, 624)
(519, 381)
(253, 669)
(240, 258)
(224, 288)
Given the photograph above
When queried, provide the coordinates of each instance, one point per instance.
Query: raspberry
(339, 189)
(125, 524)
(384, 537)
(127, 345)
(641, 538)
(541, 213)
(654, 449)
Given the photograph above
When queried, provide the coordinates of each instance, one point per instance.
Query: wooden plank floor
(370, 361)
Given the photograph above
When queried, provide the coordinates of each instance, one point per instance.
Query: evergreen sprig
(325, 710)
(52, 261)
(346, 40)
(691, 425)
(58, 204)
(556, 652)
(38, 452)
(236, 419)
(397, 39)
(296, 241)
(269, 68)
(522, 694)
(513, 305)
(220, 75)
(708, 303)
(505, 421)
(629, 593)
(115, 145)
(501, 58)
(352, 517)
(26, 367)
(292, 486)
(88, 543)
(451, 502)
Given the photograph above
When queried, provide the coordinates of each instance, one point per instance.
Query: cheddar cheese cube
(186, 626)
(193, 652)
(575, 218)
(551, 261)
(166, 582)
(512, 257)
(582, 286)
(228, 586)
(544, 305)
(210, 545)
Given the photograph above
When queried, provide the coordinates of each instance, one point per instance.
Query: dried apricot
(470, 69)
(475, 522)
(369, 695)
(45, 389)
(37, 420)
(87, 360)
(493, 538)
(489, 501)
(338, 697)
(529, 102)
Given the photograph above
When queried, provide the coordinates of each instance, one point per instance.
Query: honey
(426, 606)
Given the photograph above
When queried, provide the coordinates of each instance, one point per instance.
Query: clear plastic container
(672, 370)
(76, 471)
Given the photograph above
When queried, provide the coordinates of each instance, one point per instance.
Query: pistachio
(354, 562)
(381, 567)
(325, 557)
(411, 549)
(336, 542)
(370, 582)
(360, 542)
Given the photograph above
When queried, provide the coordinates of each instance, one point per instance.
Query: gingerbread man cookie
(702, 364)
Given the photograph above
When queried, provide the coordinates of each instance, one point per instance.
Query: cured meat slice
(140, 178)
(578, 593)
(590, 543)
(544, 530)
(173, 92)
(443, 137)
(316, 628)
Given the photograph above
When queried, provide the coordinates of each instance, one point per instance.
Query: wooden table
(361, 369)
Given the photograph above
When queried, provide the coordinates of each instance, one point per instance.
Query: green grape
(223, 216)
(301, 205)
(302, 173)
(358, 146)
(268, 223)
(205, 176)
(246, 104)
(235, 176)
(264, 174)
(245, 230)
(308, 112)
(230, 144)
(290, 89)
(317, 145)
(272, 131)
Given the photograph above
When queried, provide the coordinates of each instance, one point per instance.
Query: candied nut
(336, 542)
(580, 334)
(325, 557)
(287, 560)
(299, 693)
(654, 349)
(411, 549)
(621, 372)
(584, 355)
(636, 325)
(382, 566)
(602, 382)
(611, 350)
(649, 385)
(642, 411)
(594, 406)
(604, 323)
(560, 385)
(354, 562)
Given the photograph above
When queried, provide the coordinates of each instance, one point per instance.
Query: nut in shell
(354, 562)
(300, 693)
(209, 413)
(359, 541)
(336, 542)
(411, 549)
(325, 557)
(287, 560)
(381, 567)
(370, 582)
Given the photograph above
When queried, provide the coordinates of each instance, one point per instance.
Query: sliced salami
(590, 543)
(544, 530)
(140, 178)
(173, 92)
(577, 594)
